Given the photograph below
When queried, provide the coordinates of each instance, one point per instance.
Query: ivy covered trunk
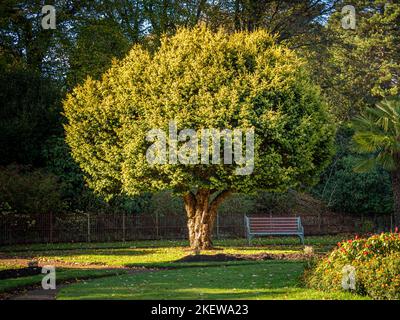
(396, 196)
(201, 209)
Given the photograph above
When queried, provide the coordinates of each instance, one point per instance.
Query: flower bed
(376, 262)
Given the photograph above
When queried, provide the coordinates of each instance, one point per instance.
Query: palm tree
(377, 134)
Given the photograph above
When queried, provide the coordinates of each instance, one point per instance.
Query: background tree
(357, 68)
(30, 191)
(29, 113)
(347, 191)
(96, 45)
(353, 192)
(378, 135)
(200, 79)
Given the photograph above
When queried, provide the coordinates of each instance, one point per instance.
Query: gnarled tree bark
(201, 213)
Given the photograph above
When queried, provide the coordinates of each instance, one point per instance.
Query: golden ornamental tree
(200, 80)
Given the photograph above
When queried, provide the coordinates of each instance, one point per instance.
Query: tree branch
(219, 199)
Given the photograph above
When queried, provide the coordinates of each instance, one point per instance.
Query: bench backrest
(273, 224)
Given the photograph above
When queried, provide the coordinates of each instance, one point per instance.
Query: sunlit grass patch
(157, 253)
(263, 280)
(162, 256)
(240, 242)
(7, 266)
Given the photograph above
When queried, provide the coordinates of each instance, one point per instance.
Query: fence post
(51, 227)
(123, 226)
(319, 221)
(157, 226)
(88, 227)
(218, 226)
(391, 221)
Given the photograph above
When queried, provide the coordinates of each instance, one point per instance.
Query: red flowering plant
(376, 260)
(365, 248)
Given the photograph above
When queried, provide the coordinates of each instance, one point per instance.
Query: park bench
(271, 226)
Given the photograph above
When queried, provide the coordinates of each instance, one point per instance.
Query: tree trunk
(255, 10)
(237, 16)
(201, 215)
(396, 196)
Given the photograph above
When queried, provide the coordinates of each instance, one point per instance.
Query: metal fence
(101, 227)
(104, 227)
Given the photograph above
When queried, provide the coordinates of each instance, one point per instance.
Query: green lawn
(150, 257)
(318, 241)
(275, 279)
(10, 266)
(261, 280)
(156, 253)
(61, 274)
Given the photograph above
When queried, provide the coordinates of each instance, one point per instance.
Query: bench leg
(301, 239)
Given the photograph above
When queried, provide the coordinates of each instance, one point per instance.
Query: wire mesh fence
(106, 227)
(101, 227)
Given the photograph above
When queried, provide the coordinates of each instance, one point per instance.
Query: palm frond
(386, 160)
(365, 165)
(388, 115)
(377, 132)
(367, 142)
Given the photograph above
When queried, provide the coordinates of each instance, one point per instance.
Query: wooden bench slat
(273, 220)
(274, 226)
(282, 226)
(283, 218)
(279, 225)
(268, 219)
(275, 229)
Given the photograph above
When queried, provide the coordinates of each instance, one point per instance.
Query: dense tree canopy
(96, 45)
(201, 79)
(357, 68)
(354, 68)
(29, 113)
(23, 41)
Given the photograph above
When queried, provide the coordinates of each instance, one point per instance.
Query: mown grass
(156, 253)
(262, 280)
(319, 241)
(10, 266)
(160, 254)
(149, 257)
